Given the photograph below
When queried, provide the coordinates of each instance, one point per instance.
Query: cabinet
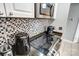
(26, 10)
(20, 10)
(2, 10)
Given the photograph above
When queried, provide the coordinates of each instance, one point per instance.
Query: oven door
(54, 50)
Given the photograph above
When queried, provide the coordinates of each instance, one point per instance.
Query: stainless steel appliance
(54, 49)
(39, 46)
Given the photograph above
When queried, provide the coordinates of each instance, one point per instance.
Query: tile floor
(69, 49)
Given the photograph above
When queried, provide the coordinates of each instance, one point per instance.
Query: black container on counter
(49, 34)
(50, 30)
(22, 45)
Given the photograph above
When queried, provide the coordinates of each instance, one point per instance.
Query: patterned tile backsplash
(11, 26)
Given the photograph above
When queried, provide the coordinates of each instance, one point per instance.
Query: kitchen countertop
(39, 45)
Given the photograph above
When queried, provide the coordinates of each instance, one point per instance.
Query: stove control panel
(52, 53)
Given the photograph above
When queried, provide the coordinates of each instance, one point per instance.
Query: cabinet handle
(1, 13)
(10, 13)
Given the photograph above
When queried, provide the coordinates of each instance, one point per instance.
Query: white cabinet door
(2, 10)
(20, 10)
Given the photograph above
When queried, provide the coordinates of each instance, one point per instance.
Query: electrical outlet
(60, 28)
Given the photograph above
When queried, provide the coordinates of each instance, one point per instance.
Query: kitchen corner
(28, 31)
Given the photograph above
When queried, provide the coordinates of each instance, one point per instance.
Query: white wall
(76, 38)
(61, 16)
(72, 22)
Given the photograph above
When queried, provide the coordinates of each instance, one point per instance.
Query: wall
(72, 22)
(11, 26)
(61, 15)
(76, 38)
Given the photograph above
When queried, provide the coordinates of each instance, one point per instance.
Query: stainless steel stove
(40, 47)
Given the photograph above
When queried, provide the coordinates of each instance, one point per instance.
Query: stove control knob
(52, 54)
(53, 51)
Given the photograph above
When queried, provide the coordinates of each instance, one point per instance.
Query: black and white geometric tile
(11, 26)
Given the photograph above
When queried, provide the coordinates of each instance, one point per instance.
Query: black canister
(50, 30)
(22, 44)
(49, 34)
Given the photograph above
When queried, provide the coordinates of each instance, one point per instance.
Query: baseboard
(75, 41)
(66, 40)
